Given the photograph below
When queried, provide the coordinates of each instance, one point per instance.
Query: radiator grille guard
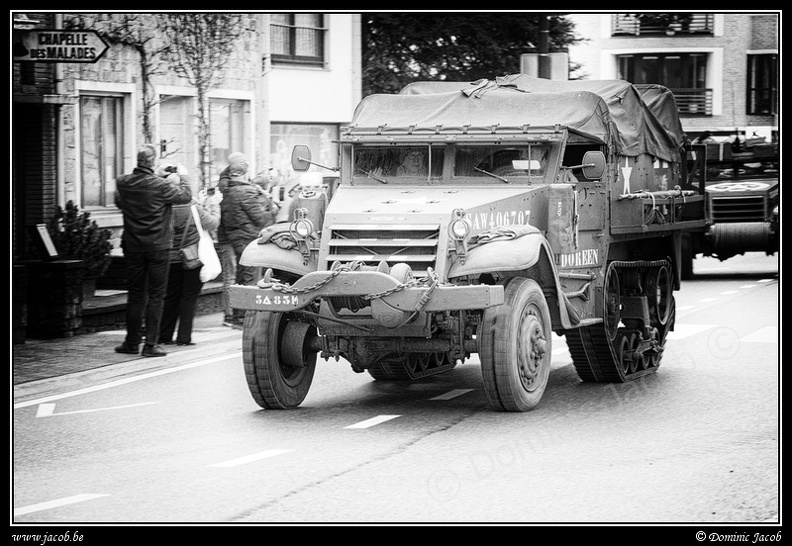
(416, 245)
(750, 208)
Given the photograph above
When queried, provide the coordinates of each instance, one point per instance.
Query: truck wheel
(514, 347)
(279, 365)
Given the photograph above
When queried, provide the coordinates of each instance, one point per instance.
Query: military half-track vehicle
(742, 200)
(478, 218)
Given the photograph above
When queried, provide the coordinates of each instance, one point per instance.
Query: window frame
(689, 61)
(189, 100)
(108, 185)
(239, 127)
(751, 89)
(292, 30)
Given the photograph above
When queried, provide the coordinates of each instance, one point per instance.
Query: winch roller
(746, 236)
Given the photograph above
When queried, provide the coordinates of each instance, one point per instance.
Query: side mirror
(593, 165)
(301, 158)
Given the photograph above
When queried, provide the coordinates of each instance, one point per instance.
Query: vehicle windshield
(386, 163)
(525, 162)
(505, 163)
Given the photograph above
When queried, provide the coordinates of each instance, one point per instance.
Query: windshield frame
(446, 145)
(399, 163)
(499, 161)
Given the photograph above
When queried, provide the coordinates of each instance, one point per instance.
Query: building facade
(76, 126)
(722, 67)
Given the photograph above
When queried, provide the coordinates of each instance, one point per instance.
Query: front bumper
(370, 285)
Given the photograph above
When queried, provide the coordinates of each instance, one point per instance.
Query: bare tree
(198, 48)
(137, 31)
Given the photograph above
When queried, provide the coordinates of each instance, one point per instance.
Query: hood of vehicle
(733, 188)
(402, 203)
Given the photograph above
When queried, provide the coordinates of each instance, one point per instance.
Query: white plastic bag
(206, 251)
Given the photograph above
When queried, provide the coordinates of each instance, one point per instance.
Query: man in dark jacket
(244, 211)
(145, 199)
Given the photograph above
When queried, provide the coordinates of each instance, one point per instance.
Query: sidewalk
(38, 359)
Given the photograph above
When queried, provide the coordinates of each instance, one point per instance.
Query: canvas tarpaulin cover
(581, 111)
(645, 116)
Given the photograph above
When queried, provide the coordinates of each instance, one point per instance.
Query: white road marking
(125, 381)
(48, 410)
(56, 503)
(373, 421)
(765, 280)
(251, 458)
(768, 334)
(451, 394)
(749, 286)
(704, 300)
(682, 331)
(728, 292)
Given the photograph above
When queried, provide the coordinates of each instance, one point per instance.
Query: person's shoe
(126, 348)
(153, 350)
(169, 342)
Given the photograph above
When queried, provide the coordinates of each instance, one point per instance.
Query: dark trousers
(181, 299)
(245, 275)
(147, 275)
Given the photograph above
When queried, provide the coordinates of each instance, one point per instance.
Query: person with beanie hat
(244, 211)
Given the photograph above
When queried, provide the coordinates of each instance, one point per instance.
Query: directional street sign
(58, 46)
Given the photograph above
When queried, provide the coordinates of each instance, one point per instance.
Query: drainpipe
(544, 47)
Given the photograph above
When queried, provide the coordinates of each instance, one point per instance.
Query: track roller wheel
(616, 352)
(612, 315)
(660, 291)
(636, 358)
(411, 366)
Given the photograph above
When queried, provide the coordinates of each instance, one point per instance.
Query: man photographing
(145, 200)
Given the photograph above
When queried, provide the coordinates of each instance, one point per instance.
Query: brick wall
(34, 157)
(764, 33)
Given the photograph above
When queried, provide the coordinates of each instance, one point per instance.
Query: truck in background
(740, 178)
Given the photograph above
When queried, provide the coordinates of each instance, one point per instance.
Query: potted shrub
(77, 237)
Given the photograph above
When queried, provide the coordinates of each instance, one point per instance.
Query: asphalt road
(697, 442)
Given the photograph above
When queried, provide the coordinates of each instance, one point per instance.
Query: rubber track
(591, 351)
(593, 358)
(395, 368)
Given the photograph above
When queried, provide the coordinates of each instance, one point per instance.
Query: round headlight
(302, 228)
(459, 228)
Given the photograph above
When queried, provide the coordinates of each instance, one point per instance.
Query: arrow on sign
(48, 410)
(58, 46)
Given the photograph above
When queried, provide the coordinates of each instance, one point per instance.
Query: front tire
(515, 344)
(279, 365)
